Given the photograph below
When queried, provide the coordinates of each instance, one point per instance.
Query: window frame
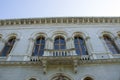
(111, 45)
(41, 46)
(80, 47)
(9, 44)
(60, 45)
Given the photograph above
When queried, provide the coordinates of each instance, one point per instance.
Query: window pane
(41, 52)
(76, 46)
(35, 53)
(110, 44)
(62, 41)
(80, 45)
(78, 51)
(57, 41)
(42, 47)
(75, 41)
(37, 41)
(5, 51)
(42, 41)
(62, 47)
(56, 47)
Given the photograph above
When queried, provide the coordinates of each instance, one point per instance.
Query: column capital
(87, 38)
(101, 37)
(116, 37)
(31, 39)
(49, 39)
(69, 38)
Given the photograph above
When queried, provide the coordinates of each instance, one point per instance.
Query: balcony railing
(57, 54)
(67, 52)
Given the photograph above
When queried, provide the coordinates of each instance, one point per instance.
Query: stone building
(62, 48)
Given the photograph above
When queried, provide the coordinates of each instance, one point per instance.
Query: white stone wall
(92, 33)
(26, 35)
(96, 71)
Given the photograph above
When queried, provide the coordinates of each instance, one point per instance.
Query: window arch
(8, 46)
(32, 79)
(60, 77)
(59, 43)
(110, 44)
(80, 46)
(39, 46)
(87, 78)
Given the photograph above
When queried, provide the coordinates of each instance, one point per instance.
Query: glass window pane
(35, 53)
(76, 46)
(62, 41)
(110, 44)
(37, 41)
(78, 51)
(41, 52)
(42, 41)
(75, 41)
(56, 47)
(57, 41)
(5, 51)
(62, 47)
(42, 46)
(80, 45)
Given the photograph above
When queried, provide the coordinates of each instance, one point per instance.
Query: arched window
(60, 77)
(80, 45)
(39, 46)
(32, 79)
(8, 46)
(111, 44)
(59, 43)
(88, 78)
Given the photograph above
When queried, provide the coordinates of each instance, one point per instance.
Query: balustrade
(60, 53)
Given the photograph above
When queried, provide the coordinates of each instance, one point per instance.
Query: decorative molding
(63, 60)
(58, 20)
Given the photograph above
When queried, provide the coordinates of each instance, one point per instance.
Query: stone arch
(118, 34)
(59, 33)
(88, 77)
(14, 34)
(81, 34)
(61, 75)
(110, 34)
(35, 35)
(32, 78)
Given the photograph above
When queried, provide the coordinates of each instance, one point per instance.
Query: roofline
(54, 20)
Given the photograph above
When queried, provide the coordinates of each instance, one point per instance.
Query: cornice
(61, 20)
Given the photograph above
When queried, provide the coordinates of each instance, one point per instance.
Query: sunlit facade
(63, 48)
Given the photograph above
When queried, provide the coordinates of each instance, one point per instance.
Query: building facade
(62, 48)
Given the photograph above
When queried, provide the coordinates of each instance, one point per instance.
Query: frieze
(63, 20)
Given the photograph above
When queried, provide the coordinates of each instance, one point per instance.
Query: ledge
(59, 20)
(62, 60)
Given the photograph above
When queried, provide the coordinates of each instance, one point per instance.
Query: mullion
(39, 48)
(79, 45)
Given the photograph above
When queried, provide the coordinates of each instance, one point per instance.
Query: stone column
(48, 46)
(72, 46)
(12, 56)
(2, 44)
(89, 47)
(30, 49)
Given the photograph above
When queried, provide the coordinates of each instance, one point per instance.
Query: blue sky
(58, 8)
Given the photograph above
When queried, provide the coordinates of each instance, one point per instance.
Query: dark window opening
(80, 45)
(39, 46)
